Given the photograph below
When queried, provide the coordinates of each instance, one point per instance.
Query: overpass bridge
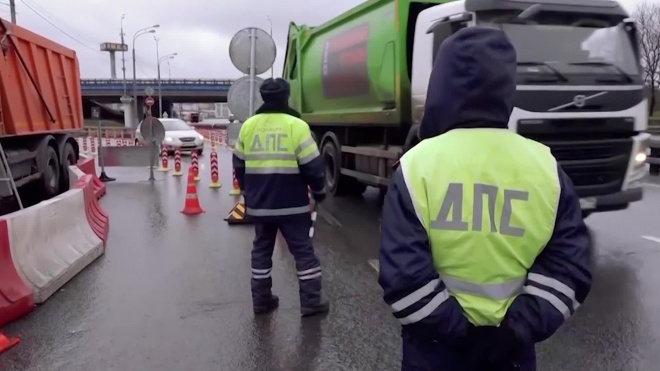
(173, 90)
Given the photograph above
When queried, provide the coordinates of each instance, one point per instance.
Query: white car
(178, 134)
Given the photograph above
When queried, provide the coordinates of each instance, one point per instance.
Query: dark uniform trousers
(296, 233)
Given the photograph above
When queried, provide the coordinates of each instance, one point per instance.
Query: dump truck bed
(39, 84)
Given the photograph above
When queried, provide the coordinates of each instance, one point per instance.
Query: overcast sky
(198, 30)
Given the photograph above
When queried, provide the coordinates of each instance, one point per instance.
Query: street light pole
(271, 36)
(137, 34)
(12, 10)
(160, 86)
(160, 81)
(169, 71)
(123, 54)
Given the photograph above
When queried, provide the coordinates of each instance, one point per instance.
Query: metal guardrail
(115, 133)
(154, 82)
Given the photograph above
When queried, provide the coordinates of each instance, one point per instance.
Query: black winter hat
(275, 90)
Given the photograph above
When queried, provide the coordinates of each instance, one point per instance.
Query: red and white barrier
(44, 246)
(88, 166)
(88, 145)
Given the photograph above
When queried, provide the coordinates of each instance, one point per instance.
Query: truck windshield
(564, 50)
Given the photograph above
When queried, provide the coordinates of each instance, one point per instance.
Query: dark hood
(472, 83)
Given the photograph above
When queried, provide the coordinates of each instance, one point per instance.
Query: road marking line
(374, 264)
(651, 238)
(646, 184)
(329, 218)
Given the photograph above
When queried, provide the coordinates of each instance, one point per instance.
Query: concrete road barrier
(44, 246)
(63, 239)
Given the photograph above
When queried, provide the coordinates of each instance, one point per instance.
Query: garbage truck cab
(580, 88)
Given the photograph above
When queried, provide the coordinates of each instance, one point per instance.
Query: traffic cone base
(235, 192)
(163, 169)
(215, 185)
(237, 215)
(177, 173)
(191, 206)
(6, 343)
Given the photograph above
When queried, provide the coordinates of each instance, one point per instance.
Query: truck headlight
(169, 139)
(641, 156)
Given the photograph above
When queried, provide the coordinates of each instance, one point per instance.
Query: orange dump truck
(40, 110)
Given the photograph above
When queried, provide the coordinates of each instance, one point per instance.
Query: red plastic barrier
(16, 298)
(87, 166)
(98, 219)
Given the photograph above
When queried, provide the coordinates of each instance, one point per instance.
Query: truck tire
(585, 214)
(335, 183)
(49, 166)
(68, 159)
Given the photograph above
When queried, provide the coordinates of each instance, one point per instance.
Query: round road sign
(149, 90)
(149, 101)
(238, 98)
(265, 51)
(152, 128)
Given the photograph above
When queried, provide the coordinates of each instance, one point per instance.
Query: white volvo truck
(580, 86)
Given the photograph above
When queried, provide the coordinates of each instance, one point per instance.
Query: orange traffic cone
(192, 206)
(235, 190)
(6, 343)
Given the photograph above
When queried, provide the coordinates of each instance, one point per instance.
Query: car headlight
(201, 137)
(169, 139)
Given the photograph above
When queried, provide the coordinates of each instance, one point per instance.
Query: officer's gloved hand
(318, 197)
(480, 339)
(504, 348)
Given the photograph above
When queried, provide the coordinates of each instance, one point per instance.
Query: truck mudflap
(611, 202)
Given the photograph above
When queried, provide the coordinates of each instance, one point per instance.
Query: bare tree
(647, 16)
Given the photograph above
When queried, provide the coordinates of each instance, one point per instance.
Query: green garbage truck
(360, 81)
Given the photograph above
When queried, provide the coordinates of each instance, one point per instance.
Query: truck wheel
(68, 159)
(335, 183)
(49, 167)
(585, 214)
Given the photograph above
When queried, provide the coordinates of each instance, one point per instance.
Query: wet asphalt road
(173, 293)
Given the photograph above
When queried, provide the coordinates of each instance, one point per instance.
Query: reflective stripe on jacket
(482, 225)
(275, 160)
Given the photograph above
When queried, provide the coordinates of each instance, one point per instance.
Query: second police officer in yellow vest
(483, 247)
(275, 160)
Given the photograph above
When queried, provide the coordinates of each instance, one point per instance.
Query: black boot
(322, 307)
(267, 305)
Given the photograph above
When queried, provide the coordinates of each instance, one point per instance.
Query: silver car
(178, 134)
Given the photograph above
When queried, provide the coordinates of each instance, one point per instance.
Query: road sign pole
(253, 47)
(96, 114)
(252, 51)
(152, 148)
(103, 177)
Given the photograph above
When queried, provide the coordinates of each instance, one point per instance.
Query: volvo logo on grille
(579, 101)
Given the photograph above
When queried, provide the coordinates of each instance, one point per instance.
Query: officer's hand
(479, 341)
(505, 347)
(318, 197)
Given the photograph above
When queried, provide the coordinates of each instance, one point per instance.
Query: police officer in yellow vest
(275, 160)
(483, 248)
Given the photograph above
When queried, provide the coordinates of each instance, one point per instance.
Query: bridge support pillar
(129, 115)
